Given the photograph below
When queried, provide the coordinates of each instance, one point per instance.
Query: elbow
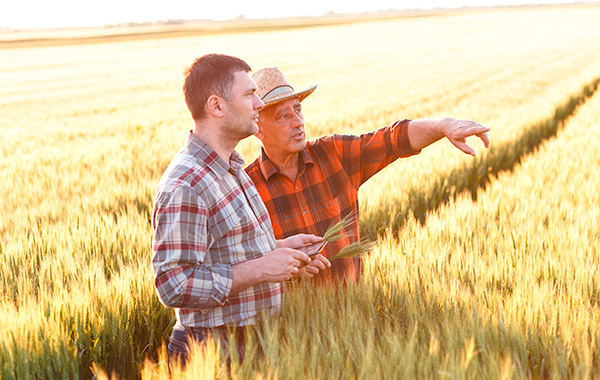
(194, 287)
(176, 294)
(168, 296)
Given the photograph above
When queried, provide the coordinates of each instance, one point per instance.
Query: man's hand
(280, 264)
(301, 242)
(318, 263)
(276, 266)
(458, 130)
(306, 243)
(423, 132)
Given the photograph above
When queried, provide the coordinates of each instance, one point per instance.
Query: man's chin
(247, 133)
(299, 147)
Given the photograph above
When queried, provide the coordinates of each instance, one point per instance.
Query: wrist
(246, 274)
(258, 267)
(442, 127)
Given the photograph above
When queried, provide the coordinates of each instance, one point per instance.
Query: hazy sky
(22, 14)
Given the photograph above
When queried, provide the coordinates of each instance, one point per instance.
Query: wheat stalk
(336, 232)
(355, 249)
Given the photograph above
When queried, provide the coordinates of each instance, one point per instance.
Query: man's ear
(214, 106)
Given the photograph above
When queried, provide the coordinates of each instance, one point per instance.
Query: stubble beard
(238, 128)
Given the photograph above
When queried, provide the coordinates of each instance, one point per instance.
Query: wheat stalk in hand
(336, 232)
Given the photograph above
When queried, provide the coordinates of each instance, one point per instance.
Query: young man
(308, 186)
(216, 259)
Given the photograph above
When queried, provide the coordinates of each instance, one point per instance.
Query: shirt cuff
(222, 275)
(404, 148)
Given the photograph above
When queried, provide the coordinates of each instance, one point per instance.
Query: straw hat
(272, 87)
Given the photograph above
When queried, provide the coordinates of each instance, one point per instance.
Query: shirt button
(296, 187)
(304, 212)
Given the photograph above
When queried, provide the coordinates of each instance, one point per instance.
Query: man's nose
(258, 103)
(298, 120)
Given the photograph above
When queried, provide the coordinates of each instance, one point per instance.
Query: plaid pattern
(332, 168)
(207, 217)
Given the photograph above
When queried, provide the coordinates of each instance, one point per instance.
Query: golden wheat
(492, 289)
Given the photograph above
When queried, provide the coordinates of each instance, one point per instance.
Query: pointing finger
(473, 128)
(464, 147)
(485, 138)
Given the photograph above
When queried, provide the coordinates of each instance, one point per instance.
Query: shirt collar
(205, 155)
(268, 168)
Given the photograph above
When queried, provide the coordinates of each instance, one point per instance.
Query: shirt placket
(248, 198)
(303, 205)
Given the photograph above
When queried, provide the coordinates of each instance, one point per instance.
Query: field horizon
(26, 38)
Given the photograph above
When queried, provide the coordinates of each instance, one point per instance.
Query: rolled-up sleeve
(380, 148)
(365, 155)
(179, 249)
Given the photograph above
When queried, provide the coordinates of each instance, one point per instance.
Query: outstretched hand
(457, 131)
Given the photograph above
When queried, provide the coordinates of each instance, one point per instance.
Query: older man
(308, 186)
(216, 259)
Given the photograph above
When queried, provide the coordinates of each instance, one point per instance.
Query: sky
(27, 14)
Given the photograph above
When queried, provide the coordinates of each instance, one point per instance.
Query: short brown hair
(211, 74)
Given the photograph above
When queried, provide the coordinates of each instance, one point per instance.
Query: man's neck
(287, 163)
(212, 137)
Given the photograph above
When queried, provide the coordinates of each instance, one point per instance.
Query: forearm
(245, 275)
(424, 132)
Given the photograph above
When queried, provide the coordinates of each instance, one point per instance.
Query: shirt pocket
(325, 214)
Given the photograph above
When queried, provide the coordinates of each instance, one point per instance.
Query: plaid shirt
(332, 168)
(207, 217)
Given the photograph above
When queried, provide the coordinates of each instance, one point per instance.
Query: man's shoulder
(330, 141)
(329, 144)
(185, 171)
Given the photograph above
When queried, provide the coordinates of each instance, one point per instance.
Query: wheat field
(483, 267)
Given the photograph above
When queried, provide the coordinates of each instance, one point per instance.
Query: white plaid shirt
(207, 217)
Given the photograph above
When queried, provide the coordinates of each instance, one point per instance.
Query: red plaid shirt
(332, 168)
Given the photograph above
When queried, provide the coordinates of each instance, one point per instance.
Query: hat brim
(301, 95)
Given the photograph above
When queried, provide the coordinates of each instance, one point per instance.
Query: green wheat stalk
(336, 232)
